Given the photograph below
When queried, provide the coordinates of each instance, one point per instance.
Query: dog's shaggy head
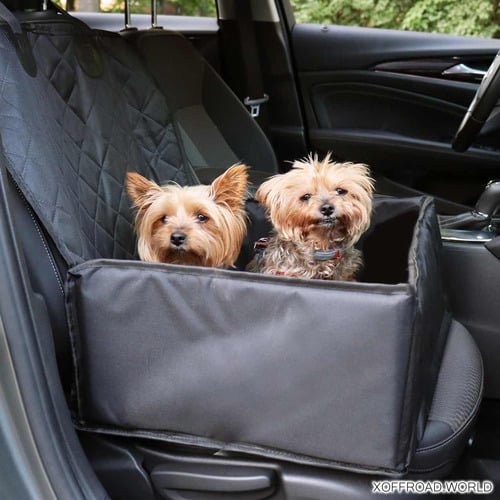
(319, 202)
(194, 225)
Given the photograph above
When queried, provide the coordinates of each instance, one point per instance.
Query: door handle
(438, 68)
(464, 72)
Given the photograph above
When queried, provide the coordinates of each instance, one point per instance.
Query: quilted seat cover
(90, 114)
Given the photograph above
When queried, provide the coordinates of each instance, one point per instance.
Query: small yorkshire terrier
(319, 210)
(193, 225)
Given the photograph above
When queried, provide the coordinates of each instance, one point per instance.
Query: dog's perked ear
(140, 190)
(269, 192)
(230, 188)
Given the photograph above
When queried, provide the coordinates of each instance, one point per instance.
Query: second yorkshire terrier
(194, 225)
(319, 210)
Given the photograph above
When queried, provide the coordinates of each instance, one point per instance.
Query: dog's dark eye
(202, 218)
(164, 219)
(306, 197)
(341, 191)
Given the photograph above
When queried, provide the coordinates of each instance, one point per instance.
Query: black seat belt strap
(254, 86)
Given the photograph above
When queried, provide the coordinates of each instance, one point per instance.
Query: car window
(459, 17)
(203, 8)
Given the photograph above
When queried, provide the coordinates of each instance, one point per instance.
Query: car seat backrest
(70, 134)
(215, 128)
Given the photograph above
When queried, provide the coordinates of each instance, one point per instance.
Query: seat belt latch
(254, 104)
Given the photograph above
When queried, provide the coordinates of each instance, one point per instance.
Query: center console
(472, 278)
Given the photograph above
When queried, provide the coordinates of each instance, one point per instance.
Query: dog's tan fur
(295, 201)
(211, 218)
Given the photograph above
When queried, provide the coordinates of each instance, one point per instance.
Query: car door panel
(394, 100)
(318, 47)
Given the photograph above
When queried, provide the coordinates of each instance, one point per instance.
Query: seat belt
(254, 86)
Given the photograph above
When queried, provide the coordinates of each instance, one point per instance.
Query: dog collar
(322, 255)
(331, 254)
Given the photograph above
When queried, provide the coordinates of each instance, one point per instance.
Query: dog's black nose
(178, 239)
(327, 209)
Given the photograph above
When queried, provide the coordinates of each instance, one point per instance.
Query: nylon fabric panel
(283, 365)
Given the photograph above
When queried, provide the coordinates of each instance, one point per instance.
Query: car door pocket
(379, 108)
(308, 371)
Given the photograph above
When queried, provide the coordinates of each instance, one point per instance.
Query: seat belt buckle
(254, 104)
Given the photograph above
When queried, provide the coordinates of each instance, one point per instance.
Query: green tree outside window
(459, 17)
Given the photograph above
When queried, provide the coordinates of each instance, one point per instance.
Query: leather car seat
(215, 129)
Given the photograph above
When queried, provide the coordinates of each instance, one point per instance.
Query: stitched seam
(465, 424)
(236, 447)
(73, 339)
(464, 427)
(44, 243)
(440, 466)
